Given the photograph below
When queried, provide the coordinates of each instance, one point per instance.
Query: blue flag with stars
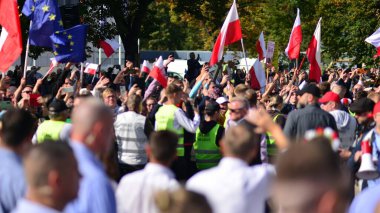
(46, 19)
(69, 45)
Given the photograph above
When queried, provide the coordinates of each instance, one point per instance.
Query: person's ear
(148, 150)
(328, 202)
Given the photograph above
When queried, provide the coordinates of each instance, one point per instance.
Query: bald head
(87, 113)
(93, 125)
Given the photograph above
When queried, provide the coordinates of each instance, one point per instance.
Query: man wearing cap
(310, 117)
(368, 200)
(366, 114)
(346, 124)
(208, 136)
(223, 105)
(55, 128)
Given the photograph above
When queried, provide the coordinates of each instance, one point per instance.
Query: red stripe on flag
(315, 70)
(12, 46)
(233, 33)
(259, 50)
(254, 82)
(158, 75)
(108, 50)
(295, 43)
(215, 52)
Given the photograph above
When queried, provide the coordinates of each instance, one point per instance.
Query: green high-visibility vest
(207, 153)
(165, 121)
(49, 130)
(271, 145)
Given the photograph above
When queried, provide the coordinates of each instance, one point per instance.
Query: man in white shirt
(132, 131)
(136, 191)
(234, 186)
(53, 178)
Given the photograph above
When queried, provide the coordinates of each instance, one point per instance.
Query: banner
(270, 51)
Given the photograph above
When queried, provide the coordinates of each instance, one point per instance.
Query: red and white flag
(145, 67)
(314, 54)
(158, 72)
(91, 68)
(374, 39)
(10, 38)
(260, 47)
(257, 74)
(230, 33)
(109, 46)
(295, 40)
(53, 64)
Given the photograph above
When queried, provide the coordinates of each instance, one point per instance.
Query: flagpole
(81, 75)
(27, 52)
(245, 58)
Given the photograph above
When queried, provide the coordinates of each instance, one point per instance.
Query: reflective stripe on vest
(165, 121)
(207, 153)
(271, 145)
(49, 130)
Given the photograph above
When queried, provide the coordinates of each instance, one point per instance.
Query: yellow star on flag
(56, 45)
(69, 36)
(56, 32)
(60, 23)
(33, 8)
(64, 33)
(52, 17)
(71, 43)
(45, 8)
(55, 53)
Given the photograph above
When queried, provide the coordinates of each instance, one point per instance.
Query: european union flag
(69, 45)
(46, 19)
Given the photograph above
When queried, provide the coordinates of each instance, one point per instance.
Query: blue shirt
(95, 191)
(26, 206)
(366, 201)
(12, 180)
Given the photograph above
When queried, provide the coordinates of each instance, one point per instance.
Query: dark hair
(163, 145)
(17, 125)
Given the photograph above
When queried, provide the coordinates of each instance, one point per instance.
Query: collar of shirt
(83, 154)
(25, 205)
(8, 154)
(157, 168)
(232, 162)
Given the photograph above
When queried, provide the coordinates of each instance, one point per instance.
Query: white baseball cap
(221, 100)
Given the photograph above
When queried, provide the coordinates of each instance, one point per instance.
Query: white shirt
(182, 121)
(135, 192)
(234, 186)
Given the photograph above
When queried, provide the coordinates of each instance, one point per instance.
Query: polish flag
(109, 46)
(295, 40)
(260, 47)
(257, 74)
(53, 64)
(158, 72)
(91, 68)
(374, 39)
(314, 54)
(230, 33)
(145, 67)
(10, 38)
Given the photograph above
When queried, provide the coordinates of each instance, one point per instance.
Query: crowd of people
(120, 142)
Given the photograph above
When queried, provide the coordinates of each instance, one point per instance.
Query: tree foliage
(195, 24)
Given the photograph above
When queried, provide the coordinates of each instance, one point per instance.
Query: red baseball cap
(376, 108)
(329, 96)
